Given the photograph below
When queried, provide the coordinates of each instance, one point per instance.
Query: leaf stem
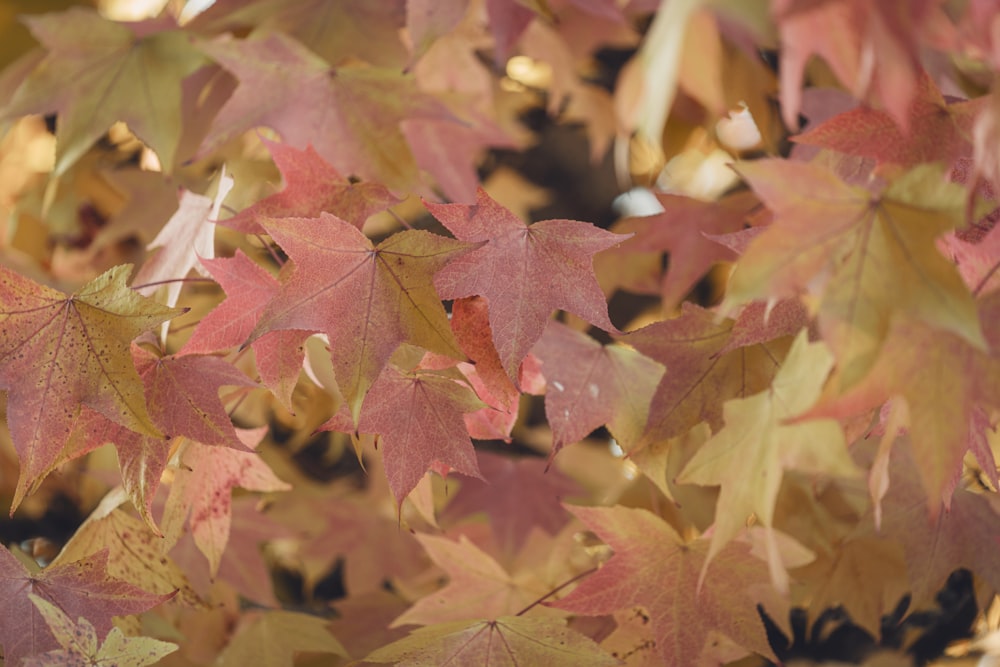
(557, 589)
(985, 279)
(270, 251)
(399, 219)
(173, 280)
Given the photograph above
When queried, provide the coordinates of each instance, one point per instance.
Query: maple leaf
(188, 236)
(701, 373)
(756, 428)
(450, 151)
(867, 257)
(60, 352)
(335, 31)
(478, 586)
(272, 638)
(427, 21)
(350, 114)
(98, 71)
(135, 553)
(248, 289)
(963, 536)
(80, 644)
(977, 262)
(141, 458)
(362, 621)
(343, 527)
(242, 565)
(487, 377)
(183, 395)
(864, 575)
(869, 46)
(589, 385)
(311, 187)
(418, 417)
(79, 588)
(942, 379)
(471, 326)
(204, 485)
(937, 130)
(524, 272)
(508, 21)
(654, 568)
(367, 300)
(684, 230)
(516, 495)
(508, 641)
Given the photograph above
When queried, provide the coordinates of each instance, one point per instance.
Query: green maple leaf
(747, 458)
(98, 72)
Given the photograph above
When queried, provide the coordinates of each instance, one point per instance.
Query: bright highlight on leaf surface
(524, 272)
(366, 299)
(58, 353)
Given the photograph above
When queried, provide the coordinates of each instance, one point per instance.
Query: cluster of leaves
(202, 270)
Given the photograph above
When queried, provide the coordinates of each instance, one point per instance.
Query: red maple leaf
(418, 417)
(203, 486)
(516, 495)
(367, 300)
(937, 130)
(654, 568)
(248, 289)
(524, 272)
(80, 588)
(311, 187)
(684, 230)
(589, 385)
(450, 151)
(348, 528)
(183, 395)
(871, 47)
(141, 458)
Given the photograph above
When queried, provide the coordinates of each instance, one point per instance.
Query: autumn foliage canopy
(307, 358)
